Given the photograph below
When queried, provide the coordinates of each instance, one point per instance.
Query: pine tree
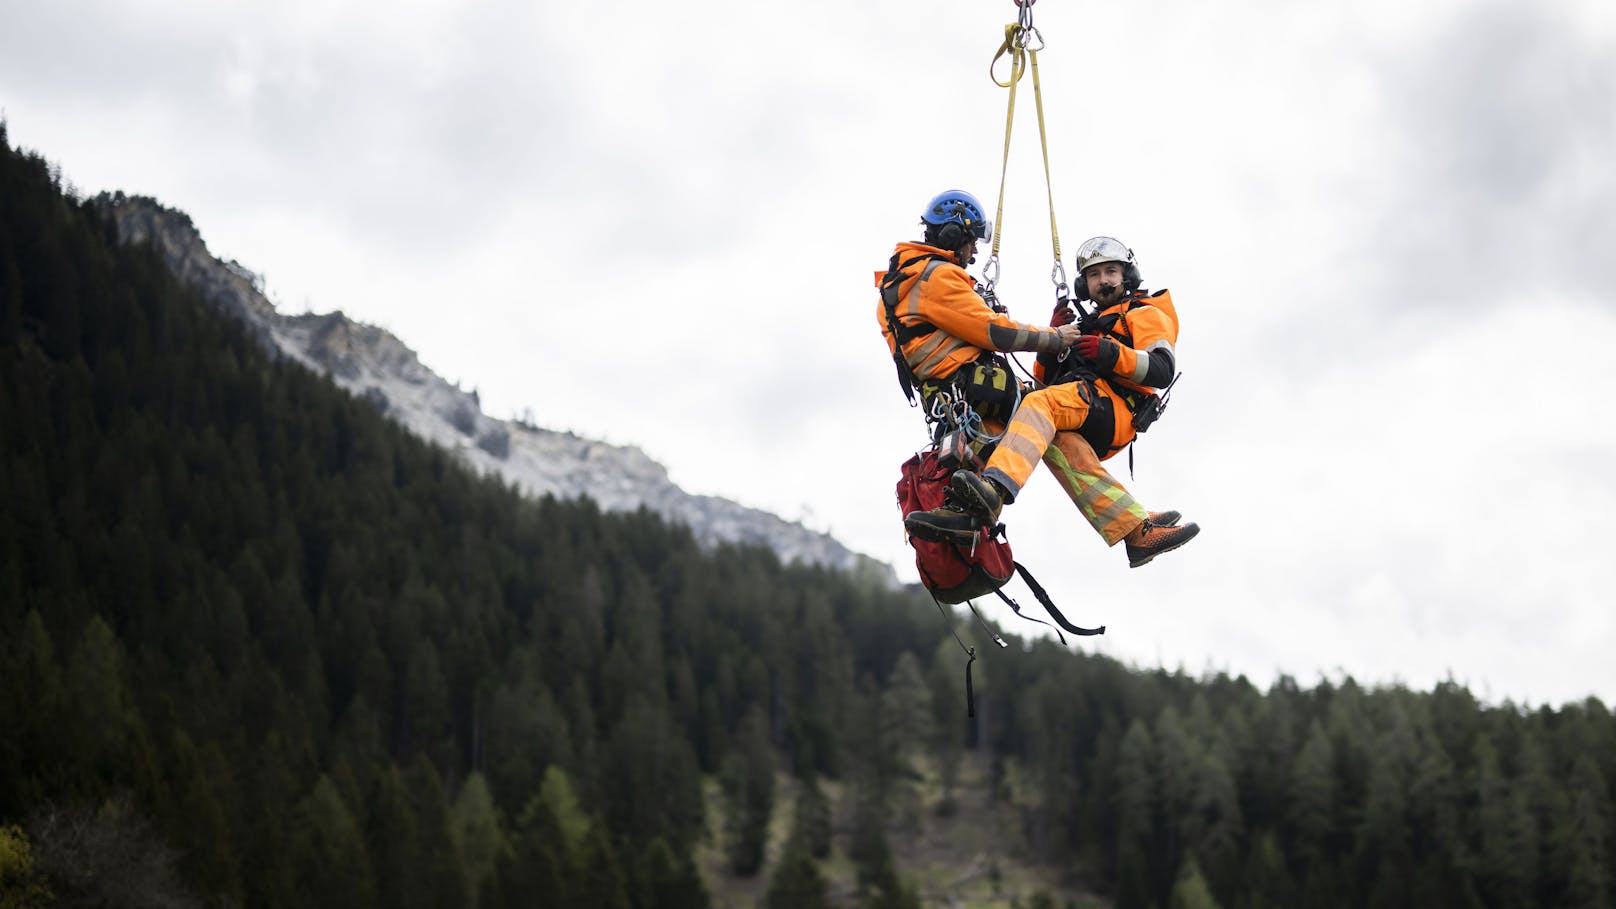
(10, 296)
(597, 872)
(811, 822)
(748, 787)
(390, 833)
(1190, 890)
(478, 837)
(439, 877)
(536, 870)
(907, 723)
(32, 699)
(1383, 852)
(526, 733)
(328, 854)
(1507, 851)
(1137, 837)
(95, 683)
(668, 880)
(797, 883)
(1312, 808)
(1266, 880)
(1588, 836)
(887, 891)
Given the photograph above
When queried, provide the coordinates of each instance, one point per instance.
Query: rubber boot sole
(920, 528)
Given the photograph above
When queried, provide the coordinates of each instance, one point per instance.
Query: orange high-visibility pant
(1043, 429)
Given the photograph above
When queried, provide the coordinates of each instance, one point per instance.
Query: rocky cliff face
(376, 366)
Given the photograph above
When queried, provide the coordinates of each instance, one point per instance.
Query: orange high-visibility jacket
(1146, 324)
(940, 293)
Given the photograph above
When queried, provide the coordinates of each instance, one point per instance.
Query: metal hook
(1024, 13)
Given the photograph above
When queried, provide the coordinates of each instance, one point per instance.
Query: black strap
(1094, 323)
(970, 654)
(970, 693)
(1043, 597)
(1016, 608)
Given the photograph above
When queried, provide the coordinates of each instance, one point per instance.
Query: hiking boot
(947, 524)
(1164, 518)
(978, 498)
(1150, 540)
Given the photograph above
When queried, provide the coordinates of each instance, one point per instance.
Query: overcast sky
(1390, 231)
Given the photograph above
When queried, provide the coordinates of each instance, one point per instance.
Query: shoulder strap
(903, 334)
(1043, 597)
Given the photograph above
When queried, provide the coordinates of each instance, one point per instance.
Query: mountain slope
(373, 364)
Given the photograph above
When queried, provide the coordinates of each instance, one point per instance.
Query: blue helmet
(956, 206)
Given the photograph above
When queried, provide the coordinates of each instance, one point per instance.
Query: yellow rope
(1021, 56)
(1049, 187)
(1012, 44)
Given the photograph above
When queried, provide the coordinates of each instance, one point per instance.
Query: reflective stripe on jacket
(940, 293)
(1144, 324)
(1147, 324)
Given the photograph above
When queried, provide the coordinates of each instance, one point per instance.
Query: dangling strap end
(970, 691)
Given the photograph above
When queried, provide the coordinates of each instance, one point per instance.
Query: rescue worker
(1097, 398)
(941, 332)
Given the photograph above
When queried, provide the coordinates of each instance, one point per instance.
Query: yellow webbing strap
(1021, 56)
(1043, 141)
(1018, 64)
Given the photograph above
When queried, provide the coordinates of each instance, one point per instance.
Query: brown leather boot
(1167, 518)
(978, 497)
(1150, 540)
(973, 504)
(947, 524)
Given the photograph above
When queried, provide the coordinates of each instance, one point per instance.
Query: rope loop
(1018, 44)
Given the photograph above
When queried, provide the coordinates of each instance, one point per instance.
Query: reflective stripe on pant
(1042, 430)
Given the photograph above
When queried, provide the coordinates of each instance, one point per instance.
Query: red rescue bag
(953, 573)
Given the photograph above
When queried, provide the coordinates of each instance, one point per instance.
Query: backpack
(953, 573)
(957, 574)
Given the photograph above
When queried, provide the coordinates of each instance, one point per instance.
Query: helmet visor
(1097, 250)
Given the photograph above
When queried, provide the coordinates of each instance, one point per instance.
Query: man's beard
(1108, 293)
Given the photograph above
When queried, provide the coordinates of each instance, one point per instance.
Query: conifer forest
(261, 647)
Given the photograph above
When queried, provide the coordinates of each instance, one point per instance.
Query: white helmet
(1096, 250)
